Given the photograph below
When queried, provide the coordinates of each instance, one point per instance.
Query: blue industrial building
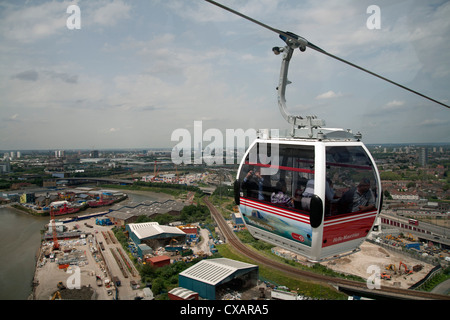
(208, 276)
(237, 219)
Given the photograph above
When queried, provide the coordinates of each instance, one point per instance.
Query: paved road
(442, 288)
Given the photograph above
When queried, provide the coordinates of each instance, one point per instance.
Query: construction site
(395, 268)
(83, 260)
(92, 266)
(384, 255)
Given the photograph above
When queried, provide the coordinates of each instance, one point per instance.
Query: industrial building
(158, 261)
(122, 215)
(209, 276)
(237, 219)
(121, 218)
(153, 234)
(182, 294)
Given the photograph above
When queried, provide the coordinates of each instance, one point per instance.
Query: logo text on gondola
(346, 237)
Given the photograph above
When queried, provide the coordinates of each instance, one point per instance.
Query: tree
(158, 285)
(387, 194)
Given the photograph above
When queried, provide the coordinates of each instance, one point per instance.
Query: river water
(20, 235)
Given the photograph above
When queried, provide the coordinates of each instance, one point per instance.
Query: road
(243, 249)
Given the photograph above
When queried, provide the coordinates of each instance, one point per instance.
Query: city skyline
(136, 71)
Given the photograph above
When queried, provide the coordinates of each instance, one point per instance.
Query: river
(20, 235)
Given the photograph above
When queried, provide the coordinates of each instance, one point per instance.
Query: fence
(410, 253)
(433, 272)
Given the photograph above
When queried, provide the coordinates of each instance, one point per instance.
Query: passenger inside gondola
(253, 184)
(359, 198)
(280, 196)
(309, 192)
(353, 173)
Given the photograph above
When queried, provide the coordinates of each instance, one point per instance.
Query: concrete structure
(208, 276)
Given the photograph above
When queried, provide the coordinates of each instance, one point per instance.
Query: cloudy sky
(136, 71)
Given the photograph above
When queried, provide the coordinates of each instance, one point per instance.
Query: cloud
(13, 118)
(29, 75)
(33, 75)
(65, 77)
(33, 22)
(329, 95)
(435, 122)
(110, 13)
(139, 69)
(393, 105)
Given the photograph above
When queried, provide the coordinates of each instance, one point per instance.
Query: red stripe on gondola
(275, 210)
(348, 228)
(348, 166)
(280, 167)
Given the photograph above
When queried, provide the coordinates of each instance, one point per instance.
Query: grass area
(172, 192)
(432, 283)
(266, 249)
(302, 286)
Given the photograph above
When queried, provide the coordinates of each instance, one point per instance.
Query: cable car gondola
(319, 194)
(315, 192)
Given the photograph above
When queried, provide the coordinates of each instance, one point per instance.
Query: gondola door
(354, 200)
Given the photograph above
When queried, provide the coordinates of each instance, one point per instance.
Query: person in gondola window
(254, 184)
(280, 197)
(359, 198)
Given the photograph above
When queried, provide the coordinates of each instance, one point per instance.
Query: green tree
(158, 286)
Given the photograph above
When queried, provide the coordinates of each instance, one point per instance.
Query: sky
(136, 71)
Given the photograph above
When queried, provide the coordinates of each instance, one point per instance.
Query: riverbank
(20, 238)
(20, 244)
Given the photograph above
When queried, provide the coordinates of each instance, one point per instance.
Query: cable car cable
(302, 42)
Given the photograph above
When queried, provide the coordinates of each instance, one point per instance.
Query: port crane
(53, 224)
(155, 172)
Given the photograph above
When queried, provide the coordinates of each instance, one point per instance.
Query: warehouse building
(209, 276)
(121, 215)
(158, 261)
(121, 218)
(153, 234)
(237, 219)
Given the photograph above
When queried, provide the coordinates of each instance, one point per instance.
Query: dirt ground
(373, 255)
(48, 274)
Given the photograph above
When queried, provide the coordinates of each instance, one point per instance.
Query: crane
(55, 238)
(155, 173)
